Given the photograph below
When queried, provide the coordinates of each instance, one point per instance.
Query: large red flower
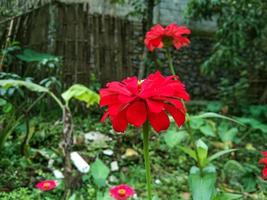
(159, 37)
(133, 102)
(264, 161)
(121, 192)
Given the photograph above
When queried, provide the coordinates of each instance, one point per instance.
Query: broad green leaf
(196, 123)
(99, 172)
(173, 137)
(233, 169)
(214, 106)
(33, 56)
(220, 153)
(188, 151)
(254, 123)
(18, 83)
(81, 93)
(3, 102)
(202, 186)
(226, 133)
(208, 129)
(202, 150)
(215, 115)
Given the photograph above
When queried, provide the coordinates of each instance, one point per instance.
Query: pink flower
(46, 185)
(121, 192)
(159, 37)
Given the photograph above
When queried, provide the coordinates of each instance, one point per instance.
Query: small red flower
(121, 192)
(159, 37)
(134, 102)
(46, 185)
(264, 162)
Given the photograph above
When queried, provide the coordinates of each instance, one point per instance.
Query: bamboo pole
(7, 43)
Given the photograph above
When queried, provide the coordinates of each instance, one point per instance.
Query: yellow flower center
(122, 192)
(46, 185)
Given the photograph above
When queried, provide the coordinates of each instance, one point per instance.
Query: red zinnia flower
(47, 185)
(121, 192)
(158, 37)
(132, 101)
(264, 161)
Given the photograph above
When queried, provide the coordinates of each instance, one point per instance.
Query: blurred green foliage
(239, 52)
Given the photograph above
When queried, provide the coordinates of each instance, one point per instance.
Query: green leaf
(196, 123)
(208, 129)
(220, 153)
(202, 186)
(227, 196)
(254, 123)
(188, 151)
(226, 133)
(214, 106)
(173, 137)
(17, 83)
(100, 172)
(202, 150)
(33, 56)
(81, 93)
(233, 169)
(3, 102)
(215, 115)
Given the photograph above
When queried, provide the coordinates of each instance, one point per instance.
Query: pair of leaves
(202, 185)
(202, 153)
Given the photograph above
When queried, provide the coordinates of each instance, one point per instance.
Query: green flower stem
(147, 160)
(190, 132)
(169, 56)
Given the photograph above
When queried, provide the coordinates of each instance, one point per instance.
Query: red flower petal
(263, 161)
(119, 122)
(178, 115)
(132, 84)
(264, 153)
(106, 100)
(137, 113)
(264, 173)
(119, 88)
(154, 106)
(103, 118)
(154, 37)
(159, 121)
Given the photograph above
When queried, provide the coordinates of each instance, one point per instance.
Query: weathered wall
(110, 47)
(89, 43)
(168, 11)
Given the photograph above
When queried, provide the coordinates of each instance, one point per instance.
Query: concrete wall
(168, 11)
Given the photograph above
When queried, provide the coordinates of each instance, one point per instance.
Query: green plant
(22, 193)
(239, 53)
(78, 92)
